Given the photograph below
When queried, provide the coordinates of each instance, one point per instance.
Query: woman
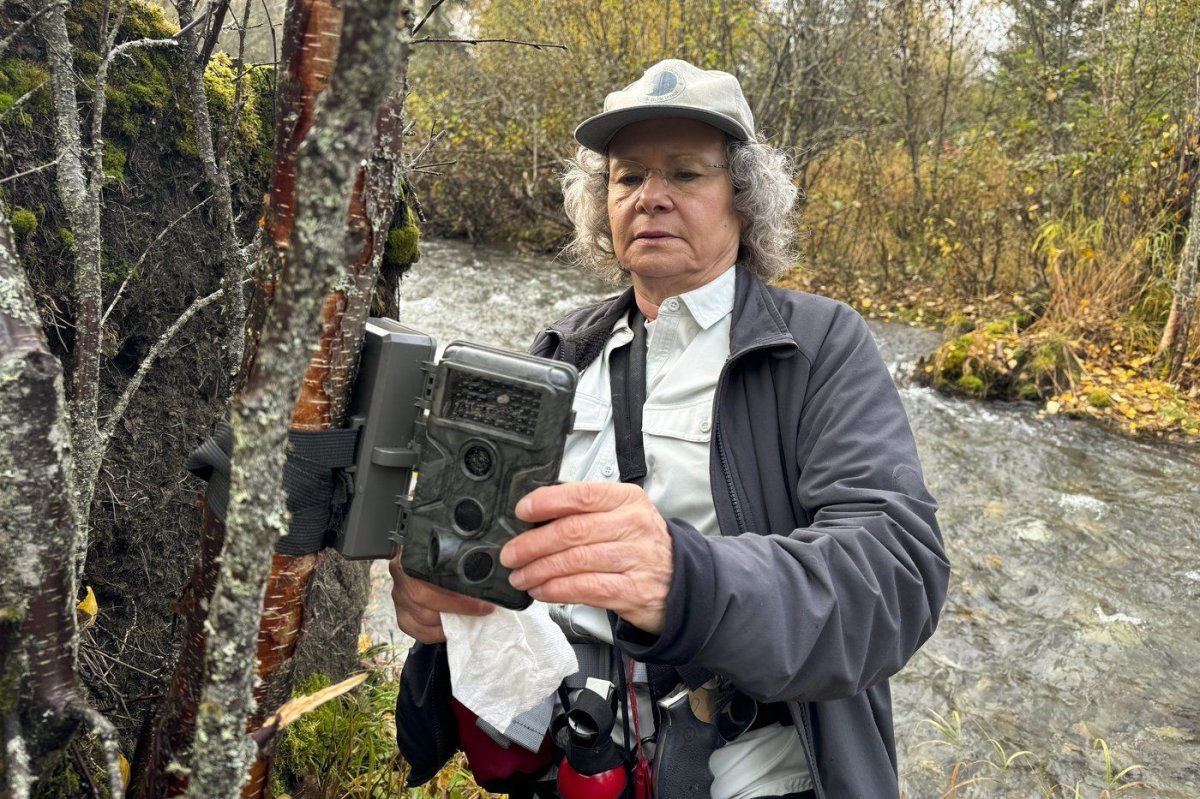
(768, 534)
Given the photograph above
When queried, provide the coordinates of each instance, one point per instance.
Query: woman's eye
(629, 180)
(684, 175)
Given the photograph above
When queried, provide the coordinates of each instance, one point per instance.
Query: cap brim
(595, 133)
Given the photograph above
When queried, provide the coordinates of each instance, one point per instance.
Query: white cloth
(507, 662)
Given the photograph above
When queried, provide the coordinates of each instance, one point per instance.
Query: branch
(211, 40)
(46, 165)
(145, 252)
(534, 45)
(119, 409)
(99, 98)
(32, 18)
(428, 14)
(17, 103)
(16, 757)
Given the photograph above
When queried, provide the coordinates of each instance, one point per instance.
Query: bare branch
(7, 40)
(30, 171)
(214, 32)
(534, 45)
(99, 97)
(142, 259)
(16, 757)
(428, 14)
(17, 103)
(131, 388)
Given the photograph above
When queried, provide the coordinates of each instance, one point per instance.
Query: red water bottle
(592, 768)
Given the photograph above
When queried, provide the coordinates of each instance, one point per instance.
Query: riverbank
(1000, 348)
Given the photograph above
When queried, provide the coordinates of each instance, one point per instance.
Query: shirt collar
(707, 304)
(712, 301)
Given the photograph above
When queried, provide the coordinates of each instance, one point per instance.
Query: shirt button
(672, 305)
(704, 426)
(607, 470)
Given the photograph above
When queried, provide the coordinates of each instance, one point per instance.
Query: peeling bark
(325, 166)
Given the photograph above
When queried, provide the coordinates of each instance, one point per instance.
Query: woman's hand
(599, 544)
(420, 605)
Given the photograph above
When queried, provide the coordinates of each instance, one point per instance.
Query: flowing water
(1073, 609)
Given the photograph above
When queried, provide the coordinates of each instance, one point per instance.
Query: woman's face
(670, 205)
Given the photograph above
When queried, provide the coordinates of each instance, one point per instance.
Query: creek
(1074, 608)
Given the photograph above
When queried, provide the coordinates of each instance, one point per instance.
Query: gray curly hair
(764, 196)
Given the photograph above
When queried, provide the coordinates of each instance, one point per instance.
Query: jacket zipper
(805, 728)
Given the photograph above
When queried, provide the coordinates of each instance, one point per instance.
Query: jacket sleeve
(825, 610)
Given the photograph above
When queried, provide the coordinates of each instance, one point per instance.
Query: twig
(16, 758)
(32, 17)
(46, 165)
(428, 14)
(534, 45)
(146, 252)
(119, 409)
(17, 103)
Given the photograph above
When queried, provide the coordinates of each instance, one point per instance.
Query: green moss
(955, 354)
(67, 237)
(1100, 398)
(342, 743)
(18, 78)
(403, 247)
(24, 222)
(114, 162)
(1051, 362)
(971, 384)
(1027, 391)
(957, 324)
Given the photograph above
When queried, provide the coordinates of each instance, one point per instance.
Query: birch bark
(329, 159)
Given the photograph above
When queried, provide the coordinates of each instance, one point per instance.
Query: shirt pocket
(688, 422)
(584, 451)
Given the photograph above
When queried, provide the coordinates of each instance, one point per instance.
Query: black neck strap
(627, 381)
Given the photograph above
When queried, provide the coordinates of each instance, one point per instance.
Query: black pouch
(426, 731)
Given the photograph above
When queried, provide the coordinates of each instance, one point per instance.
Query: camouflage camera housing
(495, 430)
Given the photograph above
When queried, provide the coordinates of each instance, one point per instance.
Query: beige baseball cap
(672, 88)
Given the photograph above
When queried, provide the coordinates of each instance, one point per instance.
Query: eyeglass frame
(606, 175)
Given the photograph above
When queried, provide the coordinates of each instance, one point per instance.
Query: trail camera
(445, 453)
(494, 431)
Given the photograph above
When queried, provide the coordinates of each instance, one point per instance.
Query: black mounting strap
(314, 477)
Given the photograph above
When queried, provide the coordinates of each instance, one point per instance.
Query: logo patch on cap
(662, 86)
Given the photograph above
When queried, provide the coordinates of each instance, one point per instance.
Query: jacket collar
(757, 323)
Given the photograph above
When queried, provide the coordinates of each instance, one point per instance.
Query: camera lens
(468, 516)
(477, 566)
(478, 460)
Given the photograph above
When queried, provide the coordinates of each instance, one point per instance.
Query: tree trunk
(326, 166)
(83, 212)
(1176, 338)
(40, 712)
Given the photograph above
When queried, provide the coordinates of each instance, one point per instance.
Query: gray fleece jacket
(830, 572)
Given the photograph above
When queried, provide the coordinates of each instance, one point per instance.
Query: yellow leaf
(1051, 94)
(364, 643)
(1125, 198)
(1052, 406)
(88, 604)
(866, 302)
(123, 764)
(1029, 189)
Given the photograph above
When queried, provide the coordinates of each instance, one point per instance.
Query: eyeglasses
(627, 178)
